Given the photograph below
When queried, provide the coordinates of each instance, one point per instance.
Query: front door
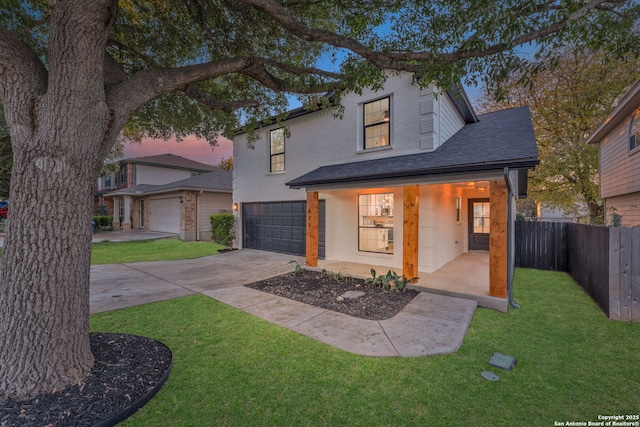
(479, 224)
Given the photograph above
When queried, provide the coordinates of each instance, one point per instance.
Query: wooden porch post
(410, 229)
(312, 229)
(498, 258)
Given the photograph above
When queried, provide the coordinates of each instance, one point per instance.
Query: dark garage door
(280, 227)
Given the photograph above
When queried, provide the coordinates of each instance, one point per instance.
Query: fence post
(635, 274)
(614, 272)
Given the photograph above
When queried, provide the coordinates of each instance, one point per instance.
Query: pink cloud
(191, 148)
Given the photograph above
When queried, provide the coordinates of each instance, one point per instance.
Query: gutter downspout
(510, 239)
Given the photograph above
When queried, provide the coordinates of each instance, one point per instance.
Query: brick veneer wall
(188, 215)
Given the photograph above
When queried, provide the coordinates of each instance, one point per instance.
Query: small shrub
(389, 281)
(103, 222)
(102, 210)
(298, 268)
(222, 231)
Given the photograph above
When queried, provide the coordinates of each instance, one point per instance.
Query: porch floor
(467, 276)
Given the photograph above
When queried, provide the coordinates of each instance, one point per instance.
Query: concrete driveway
(115, 286)
(430, 324)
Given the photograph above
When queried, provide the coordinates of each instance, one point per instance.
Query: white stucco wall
(319, 139)
(441, 237)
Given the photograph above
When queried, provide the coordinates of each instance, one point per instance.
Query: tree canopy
(260, 50)
(568, 99)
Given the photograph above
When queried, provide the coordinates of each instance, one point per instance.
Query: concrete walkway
(430, 324)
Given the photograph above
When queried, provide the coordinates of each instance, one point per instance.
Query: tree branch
(402, 60)
(22, 74)
(144, 58)
(113, 71)
(126, 97)
(300, 30)
(23, 79)
(199, 95)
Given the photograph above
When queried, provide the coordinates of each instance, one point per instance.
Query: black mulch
(325, 290)
(127, 370)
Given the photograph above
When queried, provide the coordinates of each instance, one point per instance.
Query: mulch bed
(128, 370)
(327, 291)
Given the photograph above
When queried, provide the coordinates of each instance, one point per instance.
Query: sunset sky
(190, 148)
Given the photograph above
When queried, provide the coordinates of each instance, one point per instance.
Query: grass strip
(107, 252)
(231, 368)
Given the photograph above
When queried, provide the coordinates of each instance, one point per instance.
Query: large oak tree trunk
(59, 141)
(45, 294)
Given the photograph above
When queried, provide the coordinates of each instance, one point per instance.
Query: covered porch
(429, 241)
(467, 277)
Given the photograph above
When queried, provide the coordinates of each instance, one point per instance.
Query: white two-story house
(409, 179)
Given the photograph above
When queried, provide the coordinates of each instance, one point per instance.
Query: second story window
(107, 180)
(377, 119)
(123, 174)
(634, 131)
(276, 150)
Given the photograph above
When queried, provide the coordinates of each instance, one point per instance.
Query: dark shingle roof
(170, 160)
(218, 180)
(499, 139)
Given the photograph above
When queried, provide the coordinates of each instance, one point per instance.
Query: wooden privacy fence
(604, 261)
(541, 245)
(624, 273)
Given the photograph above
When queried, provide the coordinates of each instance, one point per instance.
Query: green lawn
(231, 368)
(150, 250)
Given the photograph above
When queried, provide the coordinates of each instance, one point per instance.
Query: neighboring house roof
(629, 102)
(218, 180)
(170, 161)
(500, 139)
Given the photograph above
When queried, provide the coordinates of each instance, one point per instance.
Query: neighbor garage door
(280, 227)
(164, 215)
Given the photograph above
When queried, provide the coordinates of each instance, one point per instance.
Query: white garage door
(164, 215)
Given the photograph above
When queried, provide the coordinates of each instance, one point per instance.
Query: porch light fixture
(234, 206)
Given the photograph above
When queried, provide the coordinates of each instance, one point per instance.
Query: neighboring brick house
(407, 179)
(167, 193)
(618, 137)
